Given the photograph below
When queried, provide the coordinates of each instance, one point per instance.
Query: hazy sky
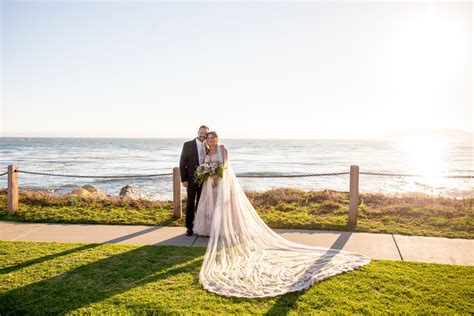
(280, 70)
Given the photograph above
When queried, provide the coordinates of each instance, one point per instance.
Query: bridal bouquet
(209, 169)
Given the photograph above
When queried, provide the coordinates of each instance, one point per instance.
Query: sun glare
(424, 157)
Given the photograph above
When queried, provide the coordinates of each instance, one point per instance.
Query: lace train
(245, 258)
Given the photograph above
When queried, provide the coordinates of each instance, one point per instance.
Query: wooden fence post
(354, 195)
(12, 200)
(178, 210)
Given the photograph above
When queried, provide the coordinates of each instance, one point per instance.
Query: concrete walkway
(376, 246)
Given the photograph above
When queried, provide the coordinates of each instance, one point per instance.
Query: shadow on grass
(99, 280)
(70, 251)
(284, 303)
(96, 281)
(45, 258)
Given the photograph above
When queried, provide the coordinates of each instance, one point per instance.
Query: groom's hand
(185, 184)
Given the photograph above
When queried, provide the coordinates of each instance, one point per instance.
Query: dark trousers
(194, 193)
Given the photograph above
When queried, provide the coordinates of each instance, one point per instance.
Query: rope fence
(354, 174)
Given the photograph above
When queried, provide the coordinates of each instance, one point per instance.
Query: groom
(192, 156)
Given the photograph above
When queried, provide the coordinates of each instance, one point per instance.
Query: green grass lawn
(52, 278)
(410, 214)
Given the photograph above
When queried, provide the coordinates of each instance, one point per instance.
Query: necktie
(202, 154)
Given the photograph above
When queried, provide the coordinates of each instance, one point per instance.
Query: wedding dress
(207, 201)
(245, 258)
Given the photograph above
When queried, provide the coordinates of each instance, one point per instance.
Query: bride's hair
(213, 133)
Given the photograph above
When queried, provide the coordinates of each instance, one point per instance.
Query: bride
(244, 257)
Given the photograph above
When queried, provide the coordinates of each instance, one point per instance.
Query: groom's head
(202, 132)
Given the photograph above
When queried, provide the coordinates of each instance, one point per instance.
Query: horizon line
(236, 138)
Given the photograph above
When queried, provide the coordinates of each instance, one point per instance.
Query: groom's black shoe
(189, 232)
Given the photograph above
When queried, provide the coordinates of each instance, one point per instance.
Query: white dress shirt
(201, 151)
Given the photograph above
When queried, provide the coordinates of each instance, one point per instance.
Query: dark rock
(128, 192)
(90, 188)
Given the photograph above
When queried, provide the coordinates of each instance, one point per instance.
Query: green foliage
(39, 207)
(409, 214)
(206, 170)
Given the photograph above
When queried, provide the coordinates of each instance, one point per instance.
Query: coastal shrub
(409, 214)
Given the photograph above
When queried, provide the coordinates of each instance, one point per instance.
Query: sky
(341, 69)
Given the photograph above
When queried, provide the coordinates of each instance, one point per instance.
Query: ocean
(113, 156)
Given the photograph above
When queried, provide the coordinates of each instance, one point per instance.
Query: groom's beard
(202, 139)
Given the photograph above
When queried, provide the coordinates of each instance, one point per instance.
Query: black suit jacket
(189, 162)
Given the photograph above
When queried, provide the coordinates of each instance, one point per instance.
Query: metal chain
(460, 177)
(384, 174)
(96, 177)
(294, 175)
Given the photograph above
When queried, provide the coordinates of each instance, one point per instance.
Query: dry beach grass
(409, 214)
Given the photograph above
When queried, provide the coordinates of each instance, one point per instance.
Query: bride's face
(211, 140)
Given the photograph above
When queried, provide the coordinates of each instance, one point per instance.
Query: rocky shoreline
(90, 191)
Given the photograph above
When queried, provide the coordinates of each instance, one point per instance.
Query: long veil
(245, 258)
